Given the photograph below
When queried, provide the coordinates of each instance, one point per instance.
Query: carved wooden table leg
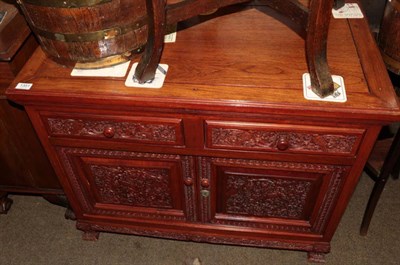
(156, 10)
(5, 203)
(316, 42)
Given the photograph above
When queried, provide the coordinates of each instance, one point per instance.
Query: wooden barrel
(389, 36)
(88, 33)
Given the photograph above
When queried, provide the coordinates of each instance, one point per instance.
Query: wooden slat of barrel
(89, 34)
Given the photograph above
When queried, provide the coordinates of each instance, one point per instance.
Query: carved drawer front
(276, 196)
(282, 137)
(123, 184)
(166, 131)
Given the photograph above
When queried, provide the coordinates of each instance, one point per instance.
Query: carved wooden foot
(316, 257)
(316, 44)
(146, 69)
(90, 235)
(5, 203)
(61, 200)
(69, 214)
(57, 199)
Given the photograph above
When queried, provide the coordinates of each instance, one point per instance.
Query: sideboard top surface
(242, 59)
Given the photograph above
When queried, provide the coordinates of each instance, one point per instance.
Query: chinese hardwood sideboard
(228, 150)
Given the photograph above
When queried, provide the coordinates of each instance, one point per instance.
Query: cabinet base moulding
(316, 250)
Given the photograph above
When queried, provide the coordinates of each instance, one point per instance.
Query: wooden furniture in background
(385, 158)
(374, 13)
(389, 37)
(383, 162)
(228, 150)
(24, 166)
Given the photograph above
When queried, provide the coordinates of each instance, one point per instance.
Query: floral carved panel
(266, 197)
(251, 193)
(269, 139)
(126, 184)
(134, 186)
(164, 132)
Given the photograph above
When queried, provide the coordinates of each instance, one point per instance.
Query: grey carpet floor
(35, 232)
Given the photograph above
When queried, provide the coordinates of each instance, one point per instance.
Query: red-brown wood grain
(205, 65)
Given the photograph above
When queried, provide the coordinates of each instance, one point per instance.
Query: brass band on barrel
(110, 60)
(65, 3)
(94, 35)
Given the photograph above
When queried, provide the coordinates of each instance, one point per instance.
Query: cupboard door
(271, 195)
(121, 184)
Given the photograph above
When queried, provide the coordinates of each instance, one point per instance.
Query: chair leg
(146, 69)
(316, 45)
(390, 162)
(373, 201)
(337, 4)
(396, 170)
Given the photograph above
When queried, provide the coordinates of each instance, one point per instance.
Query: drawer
(138, 129)
(282, 137)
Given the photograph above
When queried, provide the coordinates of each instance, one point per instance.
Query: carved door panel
(122, 184)
(272, 195)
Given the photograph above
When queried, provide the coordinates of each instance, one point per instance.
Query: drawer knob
(283, 143)
(205, 183)
(188, 181)
(109, 132)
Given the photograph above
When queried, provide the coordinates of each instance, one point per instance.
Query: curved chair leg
(396, 171)
(316, 44)
(391, 159)
(337, 4)
(146, 69)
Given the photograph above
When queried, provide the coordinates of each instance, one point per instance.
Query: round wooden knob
(109, 132)
(188, 181)
(283, 144)
(205, 183)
